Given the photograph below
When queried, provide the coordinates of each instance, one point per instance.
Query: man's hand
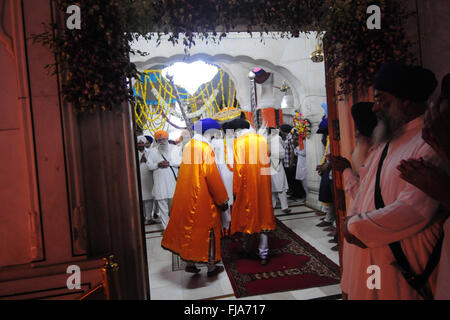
(163, 164)
(436, 131)
(322, 168)
(349, 237)
(430, 179)
(319, 169)
(338, 163)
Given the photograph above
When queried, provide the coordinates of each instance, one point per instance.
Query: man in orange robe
(252, 212)
(194, 228)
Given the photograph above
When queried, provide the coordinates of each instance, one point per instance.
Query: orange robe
(194, 212)
(252, 210)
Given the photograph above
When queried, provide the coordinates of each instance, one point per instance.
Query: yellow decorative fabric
(194, 212)
(252, 209)
(227, 115)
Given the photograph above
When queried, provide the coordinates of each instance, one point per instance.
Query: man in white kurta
(409, 216)
(301, 171)
(164, 160)
(278, 178)
(146, 179)
(223, 150)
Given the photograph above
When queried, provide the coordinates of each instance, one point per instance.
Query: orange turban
(161, 134)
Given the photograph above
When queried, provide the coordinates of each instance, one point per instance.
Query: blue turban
(324, 106)
(323, 126)
(149, 139)
(406, 82)
(203, 125)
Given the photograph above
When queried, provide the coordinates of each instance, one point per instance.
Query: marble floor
(166, 284)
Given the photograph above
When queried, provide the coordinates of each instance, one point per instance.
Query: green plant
(354, 53)
(94, 65)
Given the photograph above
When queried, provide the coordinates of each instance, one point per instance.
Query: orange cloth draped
(194, 212)
(252, 210)
(300, 143)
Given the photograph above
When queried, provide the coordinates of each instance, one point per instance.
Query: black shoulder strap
(175, 176)
(417, 282)
(379, 203)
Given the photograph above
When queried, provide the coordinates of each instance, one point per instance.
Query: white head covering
(142, 139)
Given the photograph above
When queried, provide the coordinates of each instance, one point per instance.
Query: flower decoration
(94, 66)
(303, 127)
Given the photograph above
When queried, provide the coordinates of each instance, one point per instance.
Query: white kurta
(300, 174)
(163, 179)
(146, 178)
(408, 216)
(225, 172)
(278, 175)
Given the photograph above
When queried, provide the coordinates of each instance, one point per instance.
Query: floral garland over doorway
(93, 61)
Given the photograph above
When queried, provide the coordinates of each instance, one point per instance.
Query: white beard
(388, 128)
(381, 132)
(163, 148)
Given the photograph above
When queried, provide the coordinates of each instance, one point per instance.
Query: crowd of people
(223, 179)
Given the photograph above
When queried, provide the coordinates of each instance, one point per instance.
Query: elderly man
(252, 212)
(194, 229)
(392, 221)
(164, 160)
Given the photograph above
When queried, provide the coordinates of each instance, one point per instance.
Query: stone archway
(308, 87)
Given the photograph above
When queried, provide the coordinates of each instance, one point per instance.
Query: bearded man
(164, 160)
(392, 221)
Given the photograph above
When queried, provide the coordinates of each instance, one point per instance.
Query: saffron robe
(252, 210)
(194, 213)
(409, 216)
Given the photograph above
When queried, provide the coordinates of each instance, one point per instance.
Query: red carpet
(293, 264)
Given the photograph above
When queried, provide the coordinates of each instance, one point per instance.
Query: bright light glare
(190, 75)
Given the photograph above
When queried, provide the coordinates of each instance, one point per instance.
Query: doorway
(286, 62)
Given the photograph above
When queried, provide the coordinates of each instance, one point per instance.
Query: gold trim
(227, 114)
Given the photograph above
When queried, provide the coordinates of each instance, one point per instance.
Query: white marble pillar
(312, 110)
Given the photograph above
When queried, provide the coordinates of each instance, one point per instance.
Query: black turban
(286, 128)
(445, 87)
(237, 124)
(364, 118)
(406, 82)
